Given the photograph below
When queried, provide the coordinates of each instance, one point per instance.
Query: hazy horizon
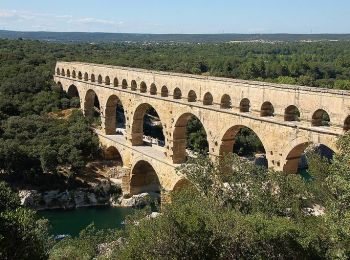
(180, 17)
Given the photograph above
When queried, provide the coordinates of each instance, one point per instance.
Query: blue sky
(180, 16)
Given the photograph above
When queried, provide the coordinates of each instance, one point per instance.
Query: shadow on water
(71, 222)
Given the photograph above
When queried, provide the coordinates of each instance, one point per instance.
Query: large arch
(320, 118)
(180, 137)
(144, 179)
(229, 144)
(295, 160)
(114, 115)
(72, 91)
(91, 104)
(112, 153)
(138, 125)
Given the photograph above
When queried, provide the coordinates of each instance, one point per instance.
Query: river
(71, 222)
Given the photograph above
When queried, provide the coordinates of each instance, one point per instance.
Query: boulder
(140, 200)
(30, 198)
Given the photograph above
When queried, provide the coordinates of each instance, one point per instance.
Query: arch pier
(285, 118)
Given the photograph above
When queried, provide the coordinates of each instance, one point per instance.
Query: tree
(22, 234)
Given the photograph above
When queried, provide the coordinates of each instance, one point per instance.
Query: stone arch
(90, 102)
(93, 78)
(74, 75)
(181, 184)
(73, 91)
(177, 94)
(225, 102)
(68, 73)
(115, 82)
(295, 157)
(244, 105)
(192, 96)
(99, 79)
(143, 87)
(208, 99)
(164, 92)
(59, 84)
(153, 89)
(144, 178)
(320, 118)
(228, 138)
(86, 76)
(346, 126)
(112, 153)
(133, 85)
(63, 73)
(80, 75)
(180, 137)
(137, 128)
(111, 115)
(58, 72)
(107, 80)
(267, 109)
(291, 113)
(124, 84)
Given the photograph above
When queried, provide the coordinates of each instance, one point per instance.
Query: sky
(177, 16)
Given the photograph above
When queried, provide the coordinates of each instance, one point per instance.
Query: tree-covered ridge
(311, 64)
(34, 142)
(189, 38)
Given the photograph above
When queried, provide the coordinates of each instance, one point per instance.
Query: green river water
(71, 222)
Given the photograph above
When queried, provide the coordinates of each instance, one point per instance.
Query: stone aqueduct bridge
(222, 105)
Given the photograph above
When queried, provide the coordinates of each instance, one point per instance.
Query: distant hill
(132, 37)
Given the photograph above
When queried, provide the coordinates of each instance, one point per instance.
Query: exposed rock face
(139, 200)
(55, 199)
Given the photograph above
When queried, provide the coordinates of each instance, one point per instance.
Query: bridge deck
(154, 152)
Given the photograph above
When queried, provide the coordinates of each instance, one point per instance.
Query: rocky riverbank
(106, 195)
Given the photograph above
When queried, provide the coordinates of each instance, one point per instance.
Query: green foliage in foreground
(22, 234)
(241, 212)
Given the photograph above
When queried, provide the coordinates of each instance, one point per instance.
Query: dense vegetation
(190, 38)
(33, 141)
(245, 212)
(22, 234)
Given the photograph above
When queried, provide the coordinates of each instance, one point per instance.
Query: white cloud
(24, 20)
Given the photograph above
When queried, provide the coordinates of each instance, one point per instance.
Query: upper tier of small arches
(320, 117)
